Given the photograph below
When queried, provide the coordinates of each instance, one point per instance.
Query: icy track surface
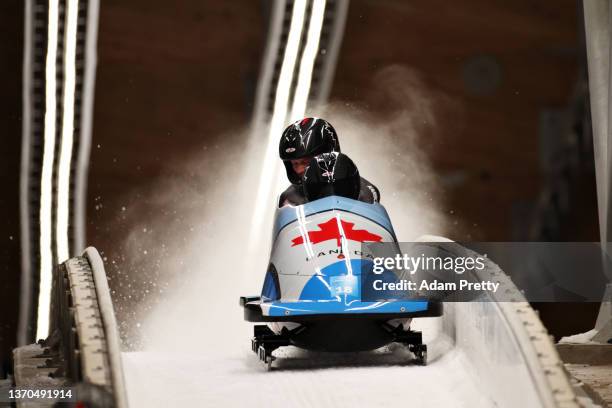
(384, 378)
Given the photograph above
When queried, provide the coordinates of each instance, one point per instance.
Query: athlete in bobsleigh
(299, 143)
(317, 292)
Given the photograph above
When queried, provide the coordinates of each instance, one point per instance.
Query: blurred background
(480, 110)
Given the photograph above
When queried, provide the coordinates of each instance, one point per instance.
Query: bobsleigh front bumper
(256, 310)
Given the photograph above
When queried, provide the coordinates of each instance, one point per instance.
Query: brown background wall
(170, 81)
(490, 140)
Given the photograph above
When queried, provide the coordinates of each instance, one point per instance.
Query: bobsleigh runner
(312, 297)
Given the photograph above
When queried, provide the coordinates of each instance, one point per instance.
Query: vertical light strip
(283, 88)
(26, 300)
(46, 182)
(270, 162)
(270, 57)
(307, 62)
(65, 158)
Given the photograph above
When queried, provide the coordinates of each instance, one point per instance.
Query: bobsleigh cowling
(312, 297)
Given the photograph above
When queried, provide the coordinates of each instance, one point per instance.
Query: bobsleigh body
(312, 295)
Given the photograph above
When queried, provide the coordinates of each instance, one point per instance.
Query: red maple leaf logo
(329, 230)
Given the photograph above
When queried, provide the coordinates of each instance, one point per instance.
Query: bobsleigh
(311, 295)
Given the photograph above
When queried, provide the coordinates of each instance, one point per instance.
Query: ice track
(382, 378)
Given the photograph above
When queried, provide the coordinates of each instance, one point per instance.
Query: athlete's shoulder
(369, 192)
(293, 195)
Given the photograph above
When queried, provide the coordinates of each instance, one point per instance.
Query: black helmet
(331, 174)
(305, 138)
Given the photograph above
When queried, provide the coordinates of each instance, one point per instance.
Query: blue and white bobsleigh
(311, 295)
